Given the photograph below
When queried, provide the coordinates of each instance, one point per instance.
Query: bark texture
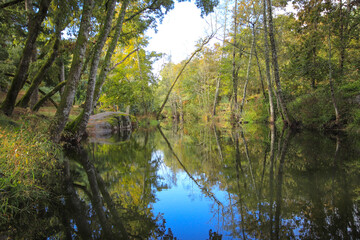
(48, 96)
(24, 101)
(63, 111)
(79, 125)
(267, 65)
(276, 65)
(332, 91)
(234, 69)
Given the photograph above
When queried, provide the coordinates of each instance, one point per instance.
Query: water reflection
(194, 182)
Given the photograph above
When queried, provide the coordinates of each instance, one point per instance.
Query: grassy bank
(29, 168)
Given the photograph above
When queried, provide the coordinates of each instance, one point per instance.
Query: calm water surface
(199, 182)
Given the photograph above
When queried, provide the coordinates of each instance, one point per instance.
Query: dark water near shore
(200, 182)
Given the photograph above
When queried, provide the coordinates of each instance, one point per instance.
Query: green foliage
(313, 110)
(350, 89)
(256, 111)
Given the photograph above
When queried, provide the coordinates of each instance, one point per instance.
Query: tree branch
(123, 60)
(207, 40)
(8, 4)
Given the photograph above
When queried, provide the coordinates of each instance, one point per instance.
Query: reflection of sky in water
(188, 212)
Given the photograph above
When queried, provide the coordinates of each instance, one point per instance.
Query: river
(203, 182)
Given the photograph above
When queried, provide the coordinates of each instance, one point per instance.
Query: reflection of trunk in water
(109, 202)
(204, 189)
(218, 145)
(238, 165)
(98, 192)
(76, 205)
(250, 166)
(96, 195)
(271, 175)
(260, 191)
(279, 183)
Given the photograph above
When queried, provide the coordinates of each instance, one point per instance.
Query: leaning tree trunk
(276, 65)
(21, 73)
(63, 111)
(267, 64)
(48, 96)
(24, 101)
(106, 65)
(78, 126)
(206, 41)
(260, 72)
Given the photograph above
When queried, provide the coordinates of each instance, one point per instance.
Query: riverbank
(29, 168)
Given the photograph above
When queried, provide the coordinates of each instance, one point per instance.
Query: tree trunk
(78, 126)
(24, 101)
(337, 116)
(34, 98)
(62, 75)
(267, 64)
(218, 80)
(276, 66)
(248, 72)
(21, 73)
(181, 71)
(217, 91)
(48, 96)
(63, 111)
(260, 72)
(106, 65)
(234, 70)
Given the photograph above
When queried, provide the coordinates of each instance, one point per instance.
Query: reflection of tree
(203, 189)
(117, 210)
(305, 188)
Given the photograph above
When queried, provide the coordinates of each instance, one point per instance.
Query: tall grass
(28, 165)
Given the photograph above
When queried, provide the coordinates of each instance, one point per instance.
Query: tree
(34, 27)
(63, 111)
(79, 125)
(267, 65)
(275, 64)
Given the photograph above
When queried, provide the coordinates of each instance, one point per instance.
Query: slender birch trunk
(276, 65)
(337, 120)
(260, 72)
(267, 65)
(63, 111)
(234, 70)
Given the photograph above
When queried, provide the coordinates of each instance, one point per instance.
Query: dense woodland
(299, 68)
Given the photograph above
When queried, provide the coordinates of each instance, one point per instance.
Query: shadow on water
(196, 182)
